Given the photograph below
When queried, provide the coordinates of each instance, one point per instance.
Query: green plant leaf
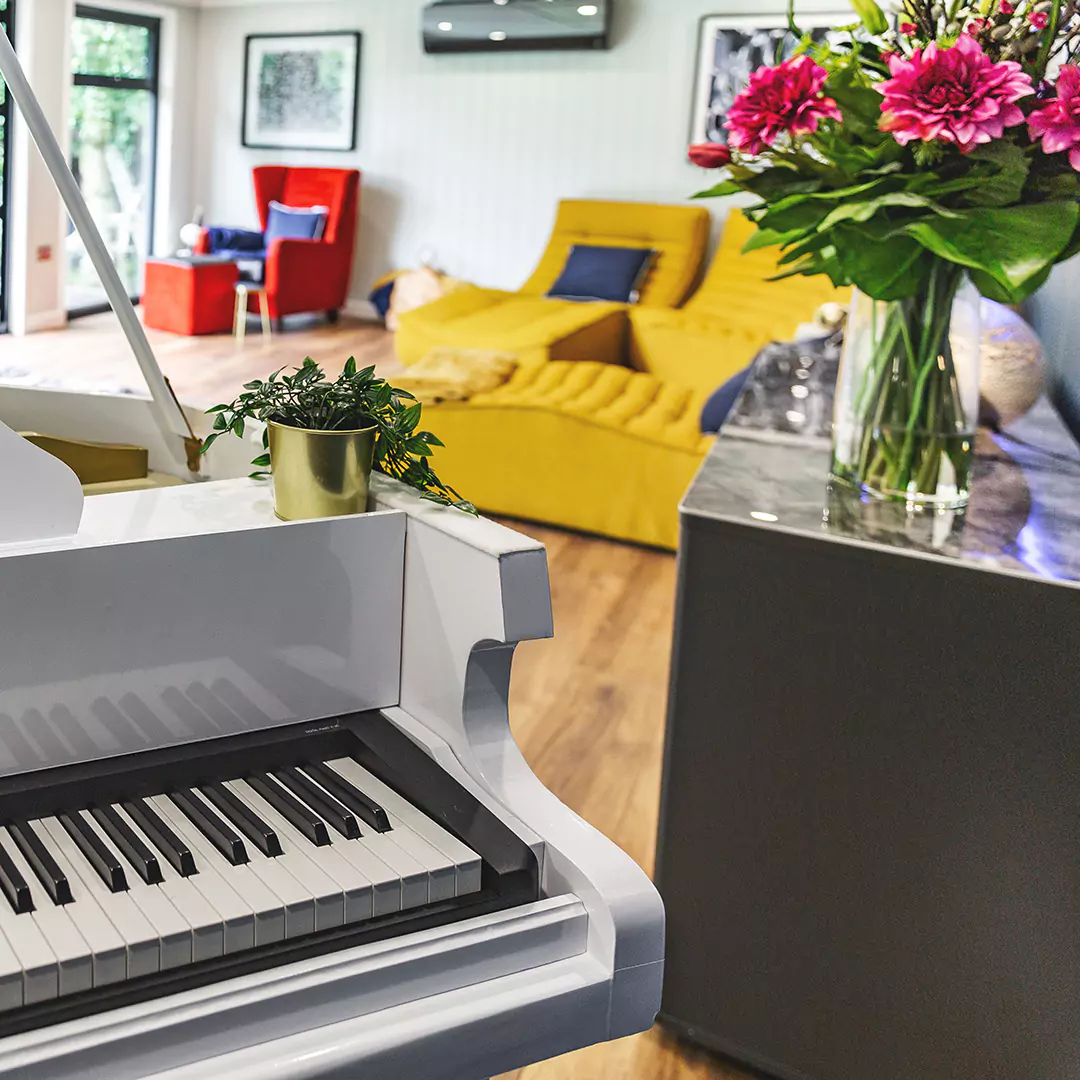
(873, 18)
(1014, 246)
(350, 367)
(864, 211)
(1007, 185)
(263, 461)
(724, 188)
(208, 442)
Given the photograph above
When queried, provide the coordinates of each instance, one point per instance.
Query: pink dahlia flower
(787, 99)
(956, 95)
(1058, 123)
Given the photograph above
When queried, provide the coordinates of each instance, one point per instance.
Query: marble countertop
(1024, 515)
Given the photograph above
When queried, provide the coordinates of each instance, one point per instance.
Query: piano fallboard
(352, 800)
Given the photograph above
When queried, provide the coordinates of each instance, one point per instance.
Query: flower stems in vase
(907, 399)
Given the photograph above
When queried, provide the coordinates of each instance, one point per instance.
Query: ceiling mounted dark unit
(512, 25)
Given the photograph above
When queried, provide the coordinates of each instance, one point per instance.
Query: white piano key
(267, 911)
(356, 889)
(11, 973)
(237, 919)
(142, 945)
(107, 947)
(421, 837)
(40, 973)
(171, 927)
(75, 964)
(328, 898)
(207, 929)
(400, 881)
(295, 899)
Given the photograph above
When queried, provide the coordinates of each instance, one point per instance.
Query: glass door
(7, 21)
(113, 127)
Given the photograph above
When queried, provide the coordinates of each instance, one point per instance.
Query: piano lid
(183, 446)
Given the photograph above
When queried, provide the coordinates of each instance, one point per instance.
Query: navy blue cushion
(717, 408)
(380, 298)
(225, 241)
(287, 223)
(602, 273)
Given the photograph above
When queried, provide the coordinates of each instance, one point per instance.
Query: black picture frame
(752, 33)
(345, 140)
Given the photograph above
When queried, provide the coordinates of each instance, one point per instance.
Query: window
(7, 21)
(114, 108)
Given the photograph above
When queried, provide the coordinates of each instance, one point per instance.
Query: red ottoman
(190, 296)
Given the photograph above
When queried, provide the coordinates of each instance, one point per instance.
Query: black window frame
(152, 83)
(8, 112)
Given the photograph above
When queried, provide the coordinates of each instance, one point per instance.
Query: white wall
(468, 155)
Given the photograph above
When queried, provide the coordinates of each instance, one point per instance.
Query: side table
(189, 295)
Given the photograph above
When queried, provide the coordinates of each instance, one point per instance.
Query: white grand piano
(261, 812)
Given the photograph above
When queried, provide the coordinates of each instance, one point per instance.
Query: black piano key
(291, 809)
(243, 818)
(164, 839)
(14, 886)
(106, 864)
(365, 808)
(41, 862)
(129, 844)
(325, 805)
(218, 832)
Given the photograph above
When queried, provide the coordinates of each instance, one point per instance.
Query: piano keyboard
(250, 849)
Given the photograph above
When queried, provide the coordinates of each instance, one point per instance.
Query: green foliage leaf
(724, 188)
(896, 200)
(1006, 185)
(873, 18)
(1015, 247)
(350, 367)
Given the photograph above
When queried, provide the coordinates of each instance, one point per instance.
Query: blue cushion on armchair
(602, 273)
(295, 223)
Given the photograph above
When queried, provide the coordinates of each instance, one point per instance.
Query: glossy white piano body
(421, 609)
(196, 594)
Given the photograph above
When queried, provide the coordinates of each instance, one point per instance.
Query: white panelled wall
(465, 156)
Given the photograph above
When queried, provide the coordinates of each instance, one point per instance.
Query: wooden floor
(587, 707)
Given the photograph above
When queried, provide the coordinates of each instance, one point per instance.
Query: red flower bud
(908, 28)
(710, 155)
(1039, 19)
(1006, 8)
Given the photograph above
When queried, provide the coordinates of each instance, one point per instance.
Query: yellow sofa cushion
(698, 351)
(532, 328)
(678, 234)
(736, 311)
(582, 445)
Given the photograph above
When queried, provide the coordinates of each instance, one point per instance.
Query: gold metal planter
(320, 473)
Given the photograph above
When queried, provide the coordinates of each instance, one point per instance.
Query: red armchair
(308, 275)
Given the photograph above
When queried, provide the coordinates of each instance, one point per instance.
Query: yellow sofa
(585, 445)
(539, 329)
(735, 312)
(596, 446)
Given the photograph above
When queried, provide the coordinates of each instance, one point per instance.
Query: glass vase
(907, 396)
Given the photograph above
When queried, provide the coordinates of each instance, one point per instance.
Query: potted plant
(924, 159)
(322, 439)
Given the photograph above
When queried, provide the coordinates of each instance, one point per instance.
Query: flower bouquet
(919, 158)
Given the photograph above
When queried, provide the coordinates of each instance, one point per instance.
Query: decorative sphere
(1013, 365)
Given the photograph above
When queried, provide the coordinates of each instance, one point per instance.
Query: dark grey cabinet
(870, 831)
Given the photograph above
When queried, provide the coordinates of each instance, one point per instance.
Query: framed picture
(731, 47)
(300, 91)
